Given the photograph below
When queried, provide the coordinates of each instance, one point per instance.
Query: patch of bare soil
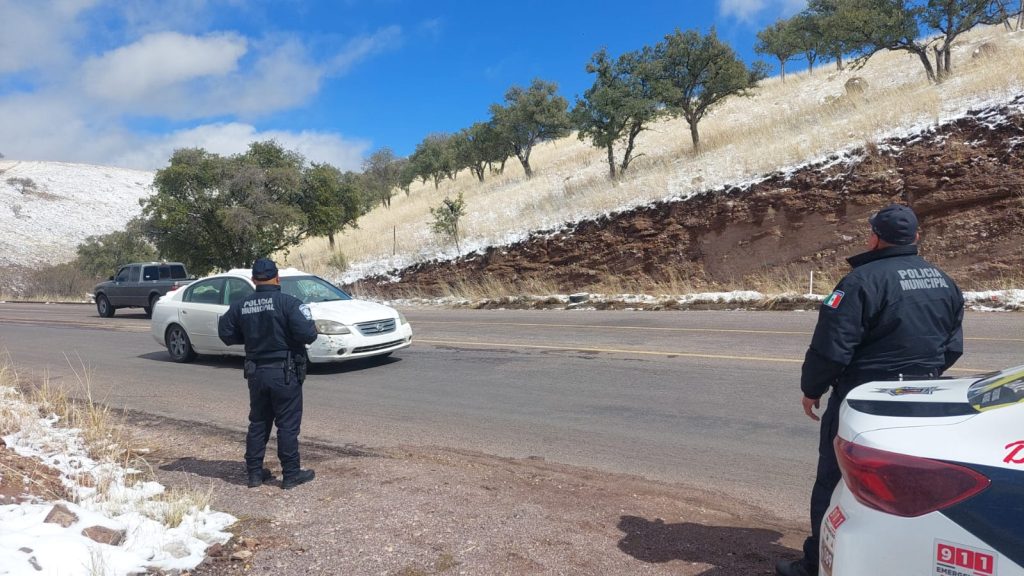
(964, 179)
(25, 479)
(412, 511)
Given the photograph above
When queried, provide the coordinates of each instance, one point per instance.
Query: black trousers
(275, 397)
(827, 478)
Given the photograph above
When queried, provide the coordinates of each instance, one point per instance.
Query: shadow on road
(235, 363)
(730, 550)
(230, 471)
(351, 365)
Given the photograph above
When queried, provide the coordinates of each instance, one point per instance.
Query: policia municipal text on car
(274, 327)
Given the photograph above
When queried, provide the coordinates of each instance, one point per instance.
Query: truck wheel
(103, 307)
(152, 302)
(178, 345)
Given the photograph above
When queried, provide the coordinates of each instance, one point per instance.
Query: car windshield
(312, 289)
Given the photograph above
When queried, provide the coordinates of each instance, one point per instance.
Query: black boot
(795, 568)
(300, 477)
(256, 479)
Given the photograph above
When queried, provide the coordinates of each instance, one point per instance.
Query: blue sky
(125, 82)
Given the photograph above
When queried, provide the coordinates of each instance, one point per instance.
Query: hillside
(965, 179)
(48, 208)
(783, 127)
(782, 185)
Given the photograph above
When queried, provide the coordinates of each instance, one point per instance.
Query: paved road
(704, 398)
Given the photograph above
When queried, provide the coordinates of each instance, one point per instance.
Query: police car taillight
(904, 485)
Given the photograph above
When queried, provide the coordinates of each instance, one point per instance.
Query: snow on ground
(987, 301)
(29, 546)
(48, 208)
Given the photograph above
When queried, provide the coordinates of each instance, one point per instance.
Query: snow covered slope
(48, 208)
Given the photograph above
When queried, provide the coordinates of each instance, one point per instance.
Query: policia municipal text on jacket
(274, 327)
(894, 316)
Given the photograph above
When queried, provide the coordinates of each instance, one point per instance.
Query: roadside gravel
(412, 511)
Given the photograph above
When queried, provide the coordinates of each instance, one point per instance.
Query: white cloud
(360, 48)
(74, 105)
(750, 10)
(138, 71)
(282, 78)
(37, 36)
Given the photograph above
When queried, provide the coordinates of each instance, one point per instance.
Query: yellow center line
(597, 326)
(609, 350)
(645, 352)
(665, 329)
(74, 324)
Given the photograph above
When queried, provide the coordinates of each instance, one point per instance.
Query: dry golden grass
(171, 507)
(784, 123)
(106, 440)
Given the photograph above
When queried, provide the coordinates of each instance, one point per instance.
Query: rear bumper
(857, 540)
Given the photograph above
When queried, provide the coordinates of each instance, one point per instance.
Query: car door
(150, 280)
(132, 290)
(235, 289)
(202, 305)
(116, 291)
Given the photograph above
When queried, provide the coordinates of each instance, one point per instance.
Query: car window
(236, 289)
(150, 273)
(122, 274)
(205, 292)
(133, 275)
(312, 289)
(173, 272)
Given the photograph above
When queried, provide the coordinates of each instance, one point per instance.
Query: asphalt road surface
(703, 398)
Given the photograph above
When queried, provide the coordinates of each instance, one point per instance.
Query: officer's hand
(809, 406)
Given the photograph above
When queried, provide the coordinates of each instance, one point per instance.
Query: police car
(933, 479)
(185, 320)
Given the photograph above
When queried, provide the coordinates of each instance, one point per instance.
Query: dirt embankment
(965, 180)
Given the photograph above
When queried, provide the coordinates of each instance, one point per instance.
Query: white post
(810, 287)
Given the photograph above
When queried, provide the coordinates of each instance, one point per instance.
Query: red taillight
(904, 485)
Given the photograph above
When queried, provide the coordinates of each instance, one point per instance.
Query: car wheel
(178, 345)
(103, 307)
(149, 309)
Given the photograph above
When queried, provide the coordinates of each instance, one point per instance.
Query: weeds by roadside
(113, 456)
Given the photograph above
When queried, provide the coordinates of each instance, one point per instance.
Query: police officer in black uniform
(894, 316)
(274, 327)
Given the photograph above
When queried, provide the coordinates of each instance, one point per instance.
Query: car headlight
(401, 319)
(331, 327)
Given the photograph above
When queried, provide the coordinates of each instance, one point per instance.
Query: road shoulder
(426, 510)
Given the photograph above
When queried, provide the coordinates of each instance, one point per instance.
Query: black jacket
(894, 314)
(269, 322)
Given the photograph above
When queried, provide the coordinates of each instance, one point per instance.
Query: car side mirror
(110, 278)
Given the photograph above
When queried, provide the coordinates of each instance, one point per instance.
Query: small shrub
(338, 261)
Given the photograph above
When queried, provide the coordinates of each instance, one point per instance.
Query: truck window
(133, 276)
(150, 273)
(122, 275)
(173, 272)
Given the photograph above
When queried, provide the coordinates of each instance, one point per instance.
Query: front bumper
(339, 348)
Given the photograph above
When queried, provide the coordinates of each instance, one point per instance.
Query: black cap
(264, 269)
(896, 224)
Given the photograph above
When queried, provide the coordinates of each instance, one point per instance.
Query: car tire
(179, 347)
(103, 307)
(152, 302)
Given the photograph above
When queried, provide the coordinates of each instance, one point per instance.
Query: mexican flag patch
(834, 299)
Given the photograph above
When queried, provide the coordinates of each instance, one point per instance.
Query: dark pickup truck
(139, 285)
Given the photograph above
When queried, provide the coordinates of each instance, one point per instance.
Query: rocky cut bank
(964, 178)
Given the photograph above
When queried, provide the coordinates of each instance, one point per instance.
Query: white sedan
(185, 320)
(933, 479)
